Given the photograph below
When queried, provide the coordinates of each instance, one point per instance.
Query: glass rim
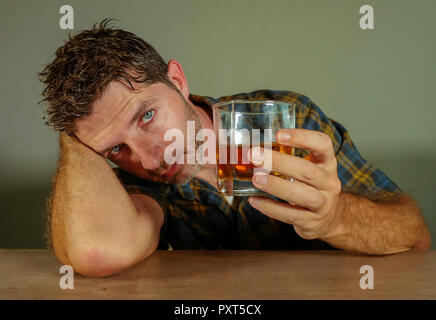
(218, 105)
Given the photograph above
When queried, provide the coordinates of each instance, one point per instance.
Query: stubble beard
(186, 171)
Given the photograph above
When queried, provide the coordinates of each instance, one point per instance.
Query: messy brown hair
(87, 63)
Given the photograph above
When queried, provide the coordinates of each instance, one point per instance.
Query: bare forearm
(89, 205)
(372, 227)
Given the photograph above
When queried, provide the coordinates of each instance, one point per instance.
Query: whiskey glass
(240, 125)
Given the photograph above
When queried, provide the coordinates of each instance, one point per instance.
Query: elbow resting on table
(419, 235)
(423, 238)
(93, 263)
(424, 241)
(98, 262)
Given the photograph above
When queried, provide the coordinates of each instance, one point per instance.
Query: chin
(184, 175)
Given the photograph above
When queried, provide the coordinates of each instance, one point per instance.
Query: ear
(177, 77)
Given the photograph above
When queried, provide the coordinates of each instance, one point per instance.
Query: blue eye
(116, 149)
(148, 116)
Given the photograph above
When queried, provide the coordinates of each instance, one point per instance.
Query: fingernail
(253, 201)
(284, 136)
(261, 179)
(257, 155)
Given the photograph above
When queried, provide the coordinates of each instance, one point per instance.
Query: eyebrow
(140, 109)
(142, 106)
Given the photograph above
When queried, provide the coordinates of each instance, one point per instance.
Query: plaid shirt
(197, 216)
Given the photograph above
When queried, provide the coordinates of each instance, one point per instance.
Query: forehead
(111, 113)
(107, 112)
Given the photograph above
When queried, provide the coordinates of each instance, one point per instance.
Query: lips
(171, 171)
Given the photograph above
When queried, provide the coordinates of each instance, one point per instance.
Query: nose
(149, 153)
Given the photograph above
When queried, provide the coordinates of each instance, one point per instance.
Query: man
(111, 96)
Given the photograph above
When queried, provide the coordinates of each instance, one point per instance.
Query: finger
(291, 166)
(296, 192)
(310, 157)
(281, 211)
(319, 143)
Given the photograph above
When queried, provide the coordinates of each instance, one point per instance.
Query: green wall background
(380, 84)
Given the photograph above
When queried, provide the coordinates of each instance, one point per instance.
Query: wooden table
(227, 275)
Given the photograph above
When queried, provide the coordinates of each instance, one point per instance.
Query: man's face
(128, 127)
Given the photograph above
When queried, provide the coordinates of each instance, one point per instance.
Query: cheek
(130, 165)
(174, 118)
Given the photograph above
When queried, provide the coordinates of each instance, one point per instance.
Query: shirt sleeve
(357, 175)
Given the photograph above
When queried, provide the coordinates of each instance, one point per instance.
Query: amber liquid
(242, 170)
